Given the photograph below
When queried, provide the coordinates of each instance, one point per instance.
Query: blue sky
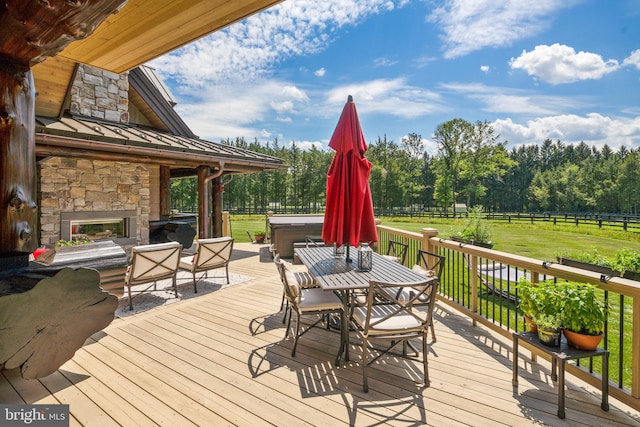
(567, 70)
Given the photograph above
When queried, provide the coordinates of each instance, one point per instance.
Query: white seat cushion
(313, 299)
(392, 258)
(186, 262)
(398, 322)
(423, 271)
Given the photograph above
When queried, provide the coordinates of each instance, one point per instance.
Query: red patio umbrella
(348, 216)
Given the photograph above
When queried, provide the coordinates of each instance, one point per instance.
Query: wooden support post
(165, 191)
(18, 223)
(428, 233)
(203, 203)
(474, 285)
(41, 328)
(216, 199)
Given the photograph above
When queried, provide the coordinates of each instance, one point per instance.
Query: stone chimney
(100, 94)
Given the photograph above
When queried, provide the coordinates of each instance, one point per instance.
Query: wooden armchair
(210, 254)
(150, 263)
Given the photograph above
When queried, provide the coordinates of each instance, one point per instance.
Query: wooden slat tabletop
(335, 273)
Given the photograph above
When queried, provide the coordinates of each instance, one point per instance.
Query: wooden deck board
(221, 359)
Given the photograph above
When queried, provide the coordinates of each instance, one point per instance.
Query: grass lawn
(540, 240)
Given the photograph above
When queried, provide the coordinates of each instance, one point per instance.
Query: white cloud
(229, 111)
(594, 129)
(294, 93)
(557, 64)
(503, 100)
(383, 62)
(386, 96)
(633, 59)
(282, 107)
(470, 25)
(249, 49)
(485, 68)
(320, 72)
(423, 61)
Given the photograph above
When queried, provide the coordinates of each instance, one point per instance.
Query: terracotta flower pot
(582, 341)
(531, 325)
(259, 239)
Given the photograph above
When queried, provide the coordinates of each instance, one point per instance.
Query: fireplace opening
(119, 226)
(97, 229)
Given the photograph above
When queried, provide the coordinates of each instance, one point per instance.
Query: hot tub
(289, 229)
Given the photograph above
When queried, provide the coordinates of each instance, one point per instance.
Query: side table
(562, 354)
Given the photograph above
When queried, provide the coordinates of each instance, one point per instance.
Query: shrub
(476, 227)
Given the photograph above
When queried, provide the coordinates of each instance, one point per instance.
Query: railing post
(635, 351)
(474, 285)
(226, 224)
(426, 244)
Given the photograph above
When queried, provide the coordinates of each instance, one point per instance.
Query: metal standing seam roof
(139, 136)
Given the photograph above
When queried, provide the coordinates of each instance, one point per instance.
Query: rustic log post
(216, 198)
(203, 203)
(18, 224)
(165, 191)
(30, 31)
(40, 328)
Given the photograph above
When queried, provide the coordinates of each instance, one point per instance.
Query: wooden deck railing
(492, 301)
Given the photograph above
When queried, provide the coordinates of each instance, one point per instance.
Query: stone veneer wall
(81, 185)
(100, 94)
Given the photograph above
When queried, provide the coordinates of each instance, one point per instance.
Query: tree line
(472, 166)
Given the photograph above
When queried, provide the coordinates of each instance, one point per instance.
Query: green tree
(451, 137)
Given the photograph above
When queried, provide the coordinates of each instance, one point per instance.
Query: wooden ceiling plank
(183, 26)
(145, 29)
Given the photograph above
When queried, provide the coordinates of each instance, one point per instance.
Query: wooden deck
(220, 359)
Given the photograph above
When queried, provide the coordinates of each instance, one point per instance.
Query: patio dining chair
(303, 278)
(430, 265)
(210, 254)
(305, 301)
(395, 322)
(397, 251)
(150, 263)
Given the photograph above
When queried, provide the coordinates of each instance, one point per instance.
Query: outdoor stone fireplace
(93, 200)
(119, 226)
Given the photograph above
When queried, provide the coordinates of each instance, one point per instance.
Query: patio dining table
(335, 273)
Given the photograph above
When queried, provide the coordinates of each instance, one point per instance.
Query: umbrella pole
(347, 258)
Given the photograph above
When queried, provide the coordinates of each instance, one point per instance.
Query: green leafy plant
(583, 311)
(259, 233)
(476, 227)
(73, 242)
(528, 298)
(540, 299)
(590, 257)
(626, 260)
(549, 321)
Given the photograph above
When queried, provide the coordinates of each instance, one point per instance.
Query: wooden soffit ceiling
(145, 29)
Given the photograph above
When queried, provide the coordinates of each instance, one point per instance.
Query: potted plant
(528, 302)
(584, 316)
(549, 328)
(625, 262)
(476, 229)
(259, 236)
(535, 300)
